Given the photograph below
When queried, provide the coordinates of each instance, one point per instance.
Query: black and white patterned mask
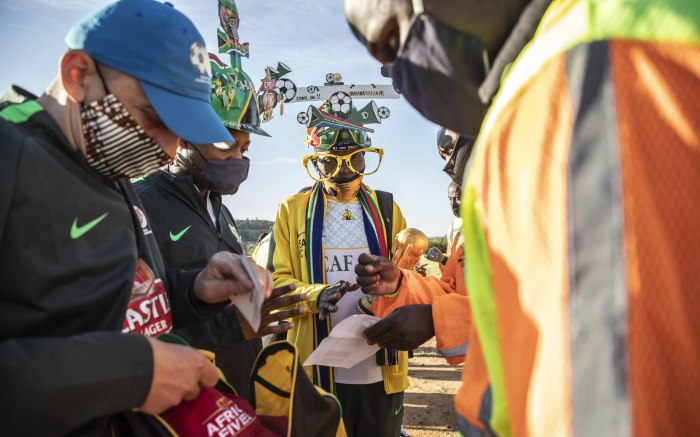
(115, 145)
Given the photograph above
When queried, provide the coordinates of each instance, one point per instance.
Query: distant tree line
(250, 229)
(439, 242)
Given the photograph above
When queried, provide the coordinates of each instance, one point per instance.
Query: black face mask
(223, 177)
(439, 71)
(457, 162)
(455, 208)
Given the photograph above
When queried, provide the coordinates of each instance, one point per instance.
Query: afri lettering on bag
(148, 312)
(229, 422)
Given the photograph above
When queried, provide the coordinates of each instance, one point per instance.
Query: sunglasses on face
(364, 162)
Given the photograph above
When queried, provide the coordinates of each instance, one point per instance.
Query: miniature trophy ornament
(410, 245)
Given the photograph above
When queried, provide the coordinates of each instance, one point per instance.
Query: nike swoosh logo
(78, 231)
(179, 235)
(398, 410)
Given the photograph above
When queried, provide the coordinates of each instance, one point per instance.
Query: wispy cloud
(28, 28)
(278, 160)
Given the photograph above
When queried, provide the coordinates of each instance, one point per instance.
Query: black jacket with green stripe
(187, 238)
(68, 250)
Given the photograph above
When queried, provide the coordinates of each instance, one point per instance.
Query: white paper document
(345, 346)
(250, 304)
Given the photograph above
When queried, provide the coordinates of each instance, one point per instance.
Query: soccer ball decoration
(287, 88)
(383, 112)
(341, 102)
(275, 90)
(303, 118)
(334, 79)
(200, 59)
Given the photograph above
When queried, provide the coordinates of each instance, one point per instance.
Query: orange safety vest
(581, 226)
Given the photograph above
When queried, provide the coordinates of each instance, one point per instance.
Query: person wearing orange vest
(423, 307)
(579, 212)
(423, 290)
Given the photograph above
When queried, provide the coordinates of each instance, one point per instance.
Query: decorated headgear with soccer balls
(338, 125)
(233, 97)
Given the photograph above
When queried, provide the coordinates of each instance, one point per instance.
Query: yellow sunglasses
(370, 157)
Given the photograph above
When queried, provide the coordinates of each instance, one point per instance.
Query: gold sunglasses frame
(342, 159)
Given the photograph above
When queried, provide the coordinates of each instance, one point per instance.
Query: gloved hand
(434, 254)
(421, 269)
(329, 297)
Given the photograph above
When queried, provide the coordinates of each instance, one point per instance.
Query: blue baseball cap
(160, 47)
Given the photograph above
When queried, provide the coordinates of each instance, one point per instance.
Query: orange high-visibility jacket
(582, 227)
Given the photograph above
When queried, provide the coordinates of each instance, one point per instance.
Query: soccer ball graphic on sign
(341, 102)
(287, 88)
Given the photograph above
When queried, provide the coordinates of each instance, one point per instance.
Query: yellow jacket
(289, 267)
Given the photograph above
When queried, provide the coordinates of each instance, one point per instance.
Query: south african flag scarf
(377, 242)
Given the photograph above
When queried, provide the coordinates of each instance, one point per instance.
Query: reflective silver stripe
(597, 283)
(486, 409)
(456, 351)
(468, 429)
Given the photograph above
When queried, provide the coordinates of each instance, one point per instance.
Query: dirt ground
(428, 402)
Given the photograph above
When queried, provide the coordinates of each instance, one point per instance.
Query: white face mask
(115, 145)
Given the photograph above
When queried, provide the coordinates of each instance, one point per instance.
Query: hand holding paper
(228, 275)
(345, 347)
(250, 305)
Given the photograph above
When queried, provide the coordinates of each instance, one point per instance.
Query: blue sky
(312, 38)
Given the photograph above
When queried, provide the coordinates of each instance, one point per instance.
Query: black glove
(435, 254)
(329, 297)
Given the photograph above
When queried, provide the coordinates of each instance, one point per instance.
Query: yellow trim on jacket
(289, 267)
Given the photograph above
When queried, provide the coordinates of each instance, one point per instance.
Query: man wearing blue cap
(84, 285)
